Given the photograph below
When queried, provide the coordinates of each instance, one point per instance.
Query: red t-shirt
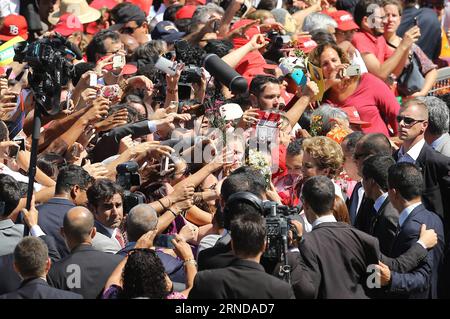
(367, 43)
(375, 104)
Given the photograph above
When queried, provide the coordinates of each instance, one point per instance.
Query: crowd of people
(236, 149)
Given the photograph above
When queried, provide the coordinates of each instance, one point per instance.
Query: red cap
(185, 12)
(126, 70)
(195, 2)
(100, 4)
(353, 116)
(13, 26)
(306, 44)
(68, 24)
(344, 20)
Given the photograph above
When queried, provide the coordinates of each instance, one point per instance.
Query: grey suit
(444, 146)
(10, 235)
(103, 241)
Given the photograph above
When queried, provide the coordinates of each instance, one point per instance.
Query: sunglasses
(408, 120)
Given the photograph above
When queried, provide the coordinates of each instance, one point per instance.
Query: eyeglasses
(408, 120)
(128, 30)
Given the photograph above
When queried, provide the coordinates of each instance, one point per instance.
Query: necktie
(354, 203)
(120, 238)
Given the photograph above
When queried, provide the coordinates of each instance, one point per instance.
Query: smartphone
(231, 111)
(92, 80)
(267, 127)
(118, 61)
(167, 66)
(164, 166)
(110, 92)
(299, 77)
(216, 26)
(21, 142)
(13, 151)
(8, 72)
(415, 21)
(352, 70)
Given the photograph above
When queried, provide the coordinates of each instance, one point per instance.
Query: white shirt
(358, 60)
(308, 226)
(405, 213)
(437, 142)
(324, 219)
(18, 177)
(412, 155)
(361, 193)
(338, 191)
(8, 7)
(380, 200)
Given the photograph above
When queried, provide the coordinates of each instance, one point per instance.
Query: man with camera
(244, 278)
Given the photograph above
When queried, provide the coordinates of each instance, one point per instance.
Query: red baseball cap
(185, 12)
(353, 116)
(68, 23)
(344, 20)
(195, 2)
(306, 44)
(13, 26)
(100, 4)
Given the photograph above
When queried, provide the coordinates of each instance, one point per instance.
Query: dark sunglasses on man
(408, 120)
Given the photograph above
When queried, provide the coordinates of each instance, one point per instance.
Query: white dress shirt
(405, 213)
(412, 155)
(324, 219)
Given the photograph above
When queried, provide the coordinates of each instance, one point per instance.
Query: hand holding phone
(110, 92)
(118, 61)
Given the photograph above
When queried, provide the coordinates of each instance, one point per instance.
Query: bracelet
(190, 261)
(174, 214)
(160, 202)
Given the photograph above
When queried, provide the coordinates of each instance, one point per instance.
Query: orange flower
(337, 134)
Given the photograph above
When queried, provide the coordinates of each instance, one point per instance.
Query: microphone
(225, 74)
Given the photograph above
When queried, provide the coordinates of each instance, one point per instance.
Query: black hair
(362, 10)
(183, 25)
(248, 234)
(70, 176)
(219, 47)
(80, 69)
(30, 257)
(318, 192)
(144, 276)
(51, 163)
(9, 194)
(322, 36)
(305, 119)
(268, 5)
(376, 167)
(102, 190)
(407, 179)
(243, 179)
(97, 46)
(23, 189)
(259, 82)
(351, 140)
(295, 147)
(171, 11)
(375, 144)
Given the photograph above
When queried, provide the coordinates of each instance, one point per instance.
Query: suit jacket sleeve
(307, 277)
(53, 252)
(415, 281)
(108, 145)
(407, 261)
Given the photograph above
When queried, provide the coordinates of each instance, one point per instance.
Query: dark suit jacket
(365, 216)
(436, 174)
(421, 282)
(242, 279)
(108, 144)
(51, 217)
(38, 288)
(95, 269)
(9, 279)
(218, 256)
(384, 226)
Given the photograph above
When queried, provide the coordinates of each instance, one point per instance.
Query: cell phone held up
(110, 92)
(164, 166)
(13, 150)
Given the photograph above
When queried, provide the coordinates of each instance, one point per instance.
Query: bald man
(86, 270)
(141, 219)
(435, 167)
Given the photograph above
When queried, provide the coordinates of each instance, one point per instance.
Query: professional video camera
(278, 223)
(50, 60)
(127, 176)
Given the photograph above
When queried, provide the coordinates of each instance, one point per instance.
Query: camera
(127, 176)
(278, 40)
(278, 223)
(52, 69)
